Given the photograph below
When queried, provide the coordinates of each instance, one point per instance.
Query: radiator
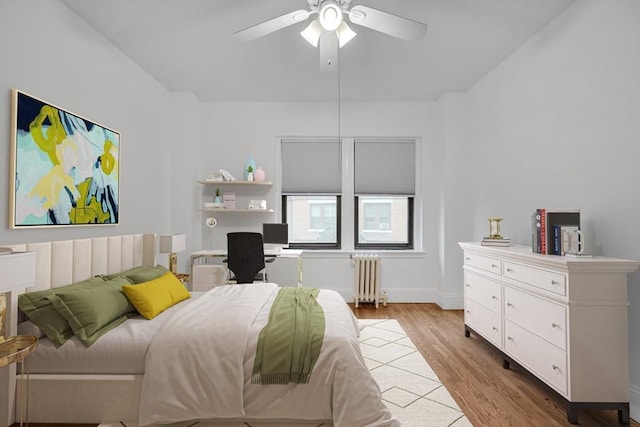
(367, 278)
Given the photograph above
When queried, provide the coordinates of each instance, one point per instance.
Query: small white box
(258, 204)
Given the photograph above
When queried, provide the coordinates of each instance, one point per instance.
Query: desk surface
(284, 253)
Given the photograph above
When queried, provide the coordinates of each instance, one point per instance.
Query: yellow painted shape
(55, 133)
(107, 161)
(90, 213)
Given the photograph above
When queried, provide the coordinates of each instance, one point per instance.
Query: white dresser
(564, 319)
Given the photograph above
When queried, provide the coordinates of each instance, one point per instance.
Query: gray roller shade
(311, 167)
(384, 167)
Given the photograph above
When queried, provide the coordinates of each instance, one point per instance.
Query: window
(375, 177)
(384, 187)
(375, 215)
(384, 223)
(311, 181)
(313, 220)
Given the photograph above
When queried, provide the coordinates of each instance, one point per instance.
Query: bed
(138, 371)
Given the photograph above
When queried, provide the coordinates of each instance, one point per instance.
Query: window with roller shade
(384, 191)
(311, 191)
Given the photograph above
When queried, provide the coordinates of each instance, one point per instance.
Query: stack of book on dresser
(549, 227)
(496, 241)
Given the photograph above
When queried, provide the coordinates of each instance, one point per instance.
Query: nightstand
(16, 349)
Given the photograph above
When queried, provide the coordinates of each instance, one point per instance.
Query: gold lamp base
(173, 263)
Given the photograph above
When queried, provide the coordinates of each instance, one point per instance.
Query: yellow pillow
(153, 297)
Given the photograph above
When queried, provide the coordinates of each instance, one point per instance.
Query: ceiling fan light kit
(330, 15)
(312, 33)
(345, 34)
(329, 31)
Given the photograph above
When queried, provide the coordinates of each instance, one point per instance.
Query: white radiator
(367, 278)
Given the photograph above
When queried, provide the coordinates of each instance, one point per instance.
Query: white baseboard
(450, 301)
(634, 402)
(399, 295)
(445, 301)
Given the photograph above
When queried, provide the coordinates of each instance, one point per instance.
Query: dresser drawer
(482, 262)
(545, 319)
(483, 290)
(544, 360)
(483, 321)
(543, 279)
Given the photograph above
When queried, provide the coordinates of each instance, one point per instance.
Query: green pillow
(92, 311)
(147, 275)
(37, 307)
(134, 270)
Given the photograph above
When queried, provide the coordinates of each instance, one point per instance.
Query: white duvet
(199, 366)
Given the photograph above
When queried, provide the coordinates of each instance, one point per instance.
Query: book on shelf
(557, 240)
(490, 241)
(535, 231)
(543, 231)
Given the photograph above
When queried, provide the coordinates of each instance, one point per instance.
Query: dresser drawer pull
(553, 282)
(556, 368)
(509, 338)
(555, 325)
(509, 270)
(509, 304)
(468, 311)
(494, 297)
(494, 266)
(494, 328)
(467, 258)
(468, 285)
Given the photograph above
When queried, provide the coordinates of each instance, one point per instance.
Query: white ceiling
(188, 45)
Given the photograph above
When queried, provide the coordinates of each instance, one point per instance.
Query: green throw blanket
(289, 346)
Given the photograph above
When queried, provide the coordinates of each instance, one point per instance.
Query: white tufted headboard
(63, 262)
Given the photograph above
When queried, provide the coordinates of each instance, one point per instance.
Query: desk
(200, 257)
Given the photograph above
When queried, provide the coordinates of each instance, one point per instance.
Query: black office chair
(245, 256)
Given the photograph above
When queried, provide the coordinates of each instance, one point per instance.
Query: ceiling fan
(329, 30)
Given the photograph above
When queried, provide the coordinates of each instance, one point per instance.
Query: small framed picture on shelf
(229, 200)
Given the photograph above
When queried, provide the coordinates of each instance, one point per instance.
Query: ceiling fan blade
(387, 23)
(272, 25)
(328, 48)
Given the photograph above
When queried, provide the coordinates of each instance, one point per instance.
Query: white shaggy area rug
(411, 390)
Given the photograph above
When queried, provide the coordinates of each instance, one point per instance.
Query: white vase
(249, 176)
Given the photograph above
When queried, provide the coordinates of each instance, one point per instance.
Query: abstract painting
(64, 169)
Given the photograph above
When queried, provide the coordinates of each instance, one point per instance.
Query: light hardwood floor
(472, 371)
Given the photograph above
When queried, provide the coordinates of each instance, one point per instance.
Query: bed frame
(76, 398)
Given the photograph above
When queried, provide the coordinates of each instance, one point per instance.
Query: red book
(543, 231)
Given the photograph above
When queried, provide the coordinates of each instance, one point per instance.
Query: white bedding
(199, 366)
(121, 351)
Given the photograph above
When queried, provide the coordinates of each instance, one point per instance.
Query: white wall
(236, 130)
(558, 125)
(48, 52)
